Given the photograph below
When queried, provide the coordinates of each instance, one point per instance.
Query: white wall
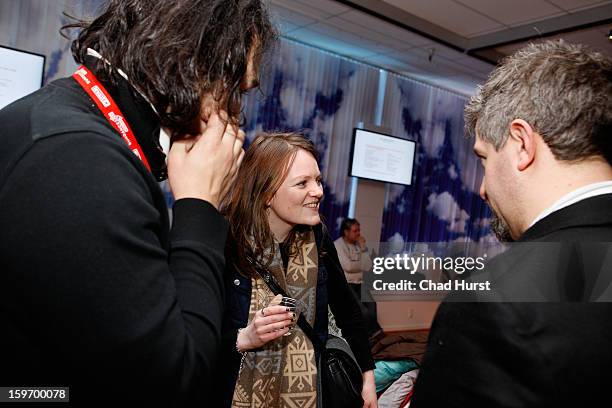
(403, 315)
(370, 203)
(392, 315)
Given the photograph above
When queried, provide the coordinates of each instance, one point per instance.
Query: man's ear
(522, 133)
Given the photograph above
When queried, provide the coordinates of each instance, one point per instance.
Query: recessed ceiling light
(610, 35)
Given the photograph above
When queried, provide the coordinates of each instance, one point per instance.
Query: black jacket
(523, 354)
(96, 291)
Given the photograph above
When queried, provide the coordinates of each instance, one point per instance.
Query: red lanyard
(109, 108)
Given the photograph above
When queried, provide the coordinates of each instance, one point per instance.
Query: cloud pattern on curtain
(443, 203)
(33, 25)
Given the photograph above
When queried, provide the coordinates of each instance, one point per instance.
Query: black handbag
(341, 377)
(339, 374)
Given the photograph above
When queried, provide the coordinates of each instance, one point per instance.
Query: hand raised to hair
(205, 166)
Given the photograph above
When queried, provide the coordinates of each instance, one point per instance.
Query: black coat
(556, 352)
(96, 291)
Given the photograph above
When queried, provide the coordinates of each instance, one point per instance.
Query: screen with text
(383, 158)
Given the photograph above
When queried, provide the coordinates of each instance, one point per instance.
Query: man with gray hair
(542, 127)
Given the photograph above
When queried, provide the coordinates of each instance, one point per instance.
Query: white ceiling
(471, 18)
(595, 37)
(444, 42)
(340, 29)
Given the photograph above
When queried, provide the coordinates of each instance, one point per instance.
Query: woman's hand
(368, 392)
(269, 323)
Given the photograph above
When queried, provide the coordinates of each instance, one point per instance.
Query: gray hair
(564, 91)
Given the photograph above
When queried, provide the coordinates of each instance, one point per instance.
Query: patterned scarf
(284, 372)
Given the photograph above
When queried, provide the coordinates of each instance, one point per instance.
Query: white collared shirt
(582, 193)
(354, 261)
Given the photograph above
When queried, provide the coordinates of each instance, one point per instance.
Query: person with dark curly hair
(97, 292)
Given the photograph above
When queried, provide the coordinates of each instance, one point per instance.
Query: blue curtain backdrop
(33, 25)
(442, 204)
(324, 96)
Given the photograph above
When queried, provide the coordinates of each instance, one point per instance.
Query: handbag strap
(277, 290)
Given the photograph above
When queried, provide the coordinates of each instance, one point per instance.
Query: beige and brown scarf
(283, 373)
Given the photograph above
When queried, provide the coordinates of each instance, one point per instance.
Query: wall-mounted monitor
(21, 73)
(381, 157)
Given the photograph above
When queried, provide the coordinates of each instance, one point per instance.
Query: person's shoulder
(59, 114)
(60, 107)
(589, 219)
(67, 109)
(54, 96)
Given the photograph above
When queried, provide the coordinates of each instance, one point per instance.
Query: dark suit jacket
(557, 352)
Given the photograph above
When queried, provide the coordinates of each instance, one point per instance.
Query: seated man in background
(542, 125)
(355, 260)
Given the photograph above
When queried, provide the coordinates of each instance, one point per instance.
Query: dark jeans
(368, 309)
